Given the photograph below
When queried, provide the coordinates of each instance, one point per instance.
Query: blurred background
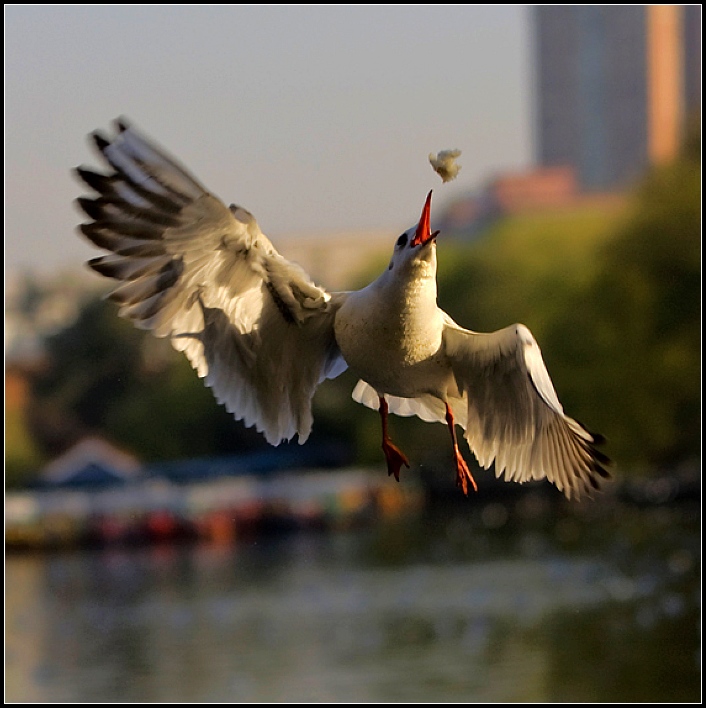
(158, 551)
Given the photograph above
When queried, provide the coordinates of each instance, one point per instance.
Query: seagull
(263, 336)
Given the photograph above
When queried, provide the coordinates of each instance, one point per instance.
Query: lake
(476, 601)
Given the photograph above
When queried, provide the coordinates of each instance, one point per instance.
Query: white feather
(252, 324)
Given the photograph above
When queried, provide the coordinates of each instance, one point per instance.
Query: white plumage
(263, 336)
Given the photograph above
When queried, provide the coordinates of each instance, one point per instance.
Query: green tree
(642, 316)
(106, 377)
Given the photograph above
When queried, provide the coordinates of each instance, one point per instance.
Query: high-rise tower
(615, 84)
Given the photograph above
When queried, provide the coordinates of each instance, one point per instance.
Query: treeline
(613, 297)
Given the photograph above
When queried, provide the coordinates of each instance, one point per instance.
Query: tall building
(614, 87)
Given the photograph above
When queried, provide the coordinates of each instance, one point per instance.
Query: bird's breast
(394, 348)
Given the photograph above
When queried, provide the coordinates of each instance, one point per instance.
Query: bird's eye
(401, 241)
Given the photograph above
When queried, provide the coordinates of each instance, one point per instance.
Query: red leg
(394, 456)
(463, 474)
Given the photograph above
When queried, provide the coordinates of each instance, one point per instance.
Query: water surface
(473, 603)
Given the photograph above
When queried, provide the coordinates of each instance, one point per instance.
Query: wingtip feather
(100, 141)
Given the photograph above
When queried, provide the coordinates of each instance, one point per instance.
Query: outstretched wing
(514, 417)
(252, 324)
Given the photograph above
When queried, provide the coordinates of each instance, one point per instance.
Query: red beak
(424, 234)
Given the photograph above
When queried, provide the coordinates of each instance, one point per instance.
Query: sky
(318, 119)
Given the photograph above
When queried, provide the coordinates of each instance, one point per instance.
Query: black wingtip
(88, 230)
(90, 207)
(600, 469)
(100, 141)
(600, 460)
(97, 264)
(83, 173)
(95, 180)
(99, 236)
(598, 439)
(600, 457)
(122, 124)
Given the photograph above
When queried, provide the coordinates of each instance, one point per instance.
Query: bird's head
(415, 249)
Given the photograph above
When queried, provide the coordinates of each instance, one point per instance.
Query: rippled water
(479, 603)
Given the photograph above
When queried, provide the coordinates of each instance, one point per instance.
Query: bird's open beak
(424, 234)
